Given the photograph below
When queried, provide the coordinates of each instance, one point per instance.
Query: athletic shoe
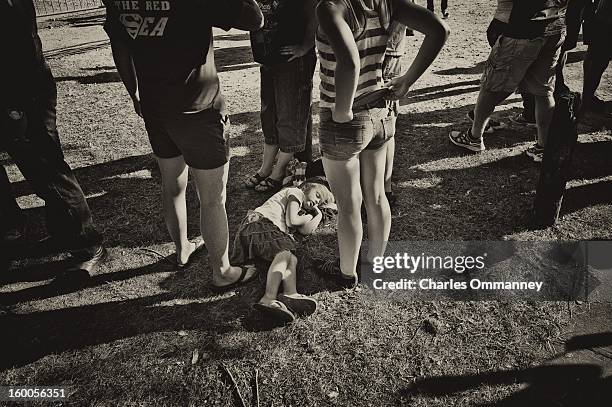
(536, 152)
(463, 139)
(330, 270)
(520, 119)
(444, 14)
(491, 126)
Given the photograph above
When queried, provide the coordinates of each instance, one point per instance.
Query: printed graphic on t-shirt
(139, 24)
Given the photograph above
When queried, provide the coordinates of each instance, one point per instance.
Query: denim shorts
(201, 138)
(524, 64)
(286, 96)
(370, 129)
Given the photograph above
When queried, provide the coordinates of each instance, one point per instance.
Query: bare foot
(231, 275)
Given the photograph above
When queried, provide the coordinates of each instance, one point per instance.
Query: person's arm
(312, 224)
(299, 50)
(125, 67)
(331, 20)
(240, 14)
(436, 32)
(305, 224)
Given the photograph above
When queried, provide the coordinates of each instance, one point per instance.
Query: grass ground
(129, 336)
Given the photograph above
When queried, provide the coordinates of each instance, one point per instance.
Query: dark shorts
(201, 138)
(370, 129)
(259, 239)
(524, 64)
(286, 96)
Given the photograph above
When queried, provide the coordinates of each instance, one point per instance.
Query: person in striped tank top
(354, 127)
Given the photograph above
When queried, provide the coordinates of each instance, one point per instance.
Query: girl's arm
(436, 32)
(312, 224)
(305, 224)
(340, 36)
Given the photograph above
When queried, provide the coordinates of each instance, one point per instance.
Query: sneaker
(87, 262)
(520, 119)
(330, 270)
(536, 152)
(491, 126)
(445, 14)
(464, 140)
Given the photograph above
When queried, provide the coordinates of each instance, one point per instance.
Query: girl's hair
(321, 184)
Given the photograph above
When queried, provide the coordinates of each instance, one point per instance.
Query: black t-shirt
(171, 45)
(24, 73)
(284, 24)
(537, 18)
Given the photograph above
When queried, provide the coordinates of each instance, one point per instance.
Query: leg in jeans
(545, 107)
(430, 5)
(293, 96)
(10, 212)
(595, 63)
(485, 105)
(268, 121)
(529, 107)
(344, 180)
(41, 161)
(310, 64)
(444, 5)
(211, 185)
(377, 206)
(174, 175)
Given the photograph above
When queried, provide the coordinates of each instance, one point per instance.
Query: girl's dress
(264, 231)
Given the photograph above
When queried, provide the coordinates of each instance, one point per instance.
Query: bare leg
(545, 107)
(377, 206)
(213, 222)
(276, 273)
(269, 156)
(343, 177)
(174, 175)
(289, 278)
(389, 164)
(278, 173)
(487, 101)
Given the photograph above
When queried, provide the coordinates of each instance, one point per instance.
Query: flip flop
(241, 280)
(199, 246)
(254, 180)
(277, 312)
(300, 304)
(269, 185)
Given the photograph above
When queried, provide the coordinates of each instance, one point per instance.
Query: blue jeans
(286, 96)
(33, 144)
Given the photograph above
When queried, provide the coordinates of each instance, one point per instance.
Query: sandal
(269, 185)
(300, 304)
(242, 279)
(276, 311)
(199, 245)
(254, 180)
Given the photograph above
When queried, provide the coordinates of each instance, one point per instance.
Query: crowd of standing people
(164, 55)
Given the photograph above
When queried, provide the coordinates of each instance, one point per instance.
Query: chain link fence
(52, 7)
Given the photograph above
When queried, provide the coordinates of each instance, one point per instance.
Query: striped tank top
(371, 43)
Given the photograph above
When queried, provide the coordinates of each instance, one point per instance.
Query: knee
(350, 204)
(212, 200)
(173, 187)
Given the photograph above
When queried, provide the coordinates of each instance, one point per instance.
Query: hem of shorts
(292, 149)
(166, 157)
(207, 167)
(324, 155)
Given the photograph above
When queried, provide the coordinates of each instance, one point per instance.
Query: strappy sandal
(254, 180)
(269, 185)
(299, 304)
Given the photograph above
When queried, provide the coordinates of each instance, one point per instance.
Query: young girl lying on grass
(265, 234)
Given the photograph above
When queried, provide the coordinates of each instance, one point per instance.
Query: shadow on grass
(555, 384)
